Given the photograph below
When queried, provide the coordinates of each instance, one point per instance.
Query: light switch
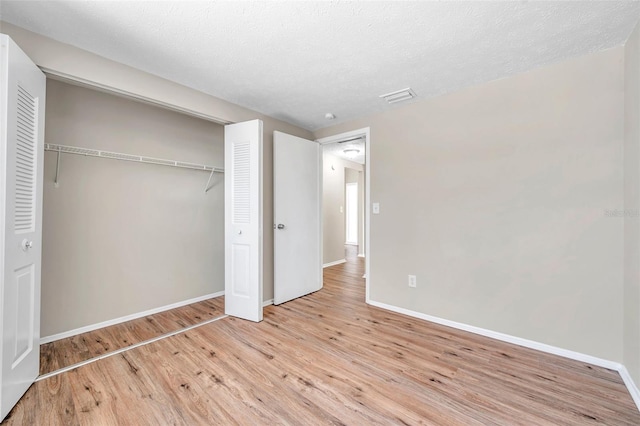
(341, 209)
(376, 208)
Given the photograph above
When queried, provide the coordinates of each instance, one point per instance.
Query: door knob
(26, 244)
(280, 226)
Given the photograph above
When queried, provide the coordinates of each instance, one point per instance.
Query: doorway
(346, 153)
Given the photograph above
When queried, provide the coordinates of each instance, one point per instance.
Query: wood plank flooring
(328, 358)
(81, 347)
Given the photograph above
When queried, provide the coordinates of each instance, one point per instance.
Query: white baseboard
(361, 255)
(267, 303)
(504, 337)
(337, 262)
(631, 386)
(531, 344)
(86, 329)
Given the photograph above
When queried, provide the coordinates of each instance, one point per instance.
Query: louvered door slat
(24, 213)
(241, 181)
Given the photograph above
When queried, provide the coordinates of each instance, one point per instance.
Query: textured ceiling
(297, 61)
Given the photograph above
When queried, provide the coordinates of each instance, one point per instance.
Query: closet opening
(133, 222)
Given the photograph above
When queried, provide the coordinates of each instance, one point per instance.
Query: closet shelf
(128, 157)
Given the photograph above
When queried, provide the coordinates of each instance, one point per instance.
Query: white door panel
(243, 219)
(296, 193)
(22, 102)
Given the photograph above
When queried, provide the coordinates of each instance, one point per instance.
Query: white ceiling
(297, 61)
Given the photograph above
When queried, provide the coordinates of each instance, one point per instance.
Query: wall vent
(399, 96)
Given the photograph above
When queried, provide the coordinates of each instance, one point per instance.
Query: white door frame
(366, 133)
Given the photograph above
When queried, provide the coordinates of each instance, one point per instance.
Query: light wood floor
(328, 358)
(81, 347)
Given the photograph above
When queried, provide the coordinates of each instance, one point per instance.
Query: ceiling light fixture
(329, 116)
(351, 152)
(399, 96)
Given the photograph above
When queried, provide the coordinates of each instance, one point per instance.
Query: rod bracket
(207, 187)
(55, 181)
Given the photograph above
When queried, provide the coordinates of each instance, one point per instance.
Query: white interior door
(243, 220)
(297, 187)
(22, 102)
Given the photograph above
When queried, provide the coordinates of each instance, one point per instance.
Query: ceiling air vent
(399, 96)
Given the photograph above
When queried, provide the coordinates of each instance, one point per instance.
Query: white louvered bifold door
(22, 102)
(243, 219)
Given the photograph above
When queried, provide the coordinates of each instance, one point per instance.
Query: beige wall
(121, 237)
(79, 63)
(495, 197)
(333, 190)
(632, 206)
(350, 175)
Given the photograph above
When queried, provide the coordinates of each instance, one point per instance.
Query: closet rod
(128, 157)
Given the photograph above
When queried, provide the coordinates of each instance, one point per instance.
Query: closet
(133, 206)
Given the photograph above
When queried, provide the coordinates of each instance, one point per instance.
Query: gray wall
(632, 206)
(333, 190)
(495, 197)
(120, 237)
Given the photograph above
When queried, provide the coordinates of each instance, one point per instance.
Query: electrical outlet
(412, 281)
(376, 208)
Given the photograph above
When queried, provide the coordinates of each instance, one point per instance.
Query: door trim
(366, 132)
